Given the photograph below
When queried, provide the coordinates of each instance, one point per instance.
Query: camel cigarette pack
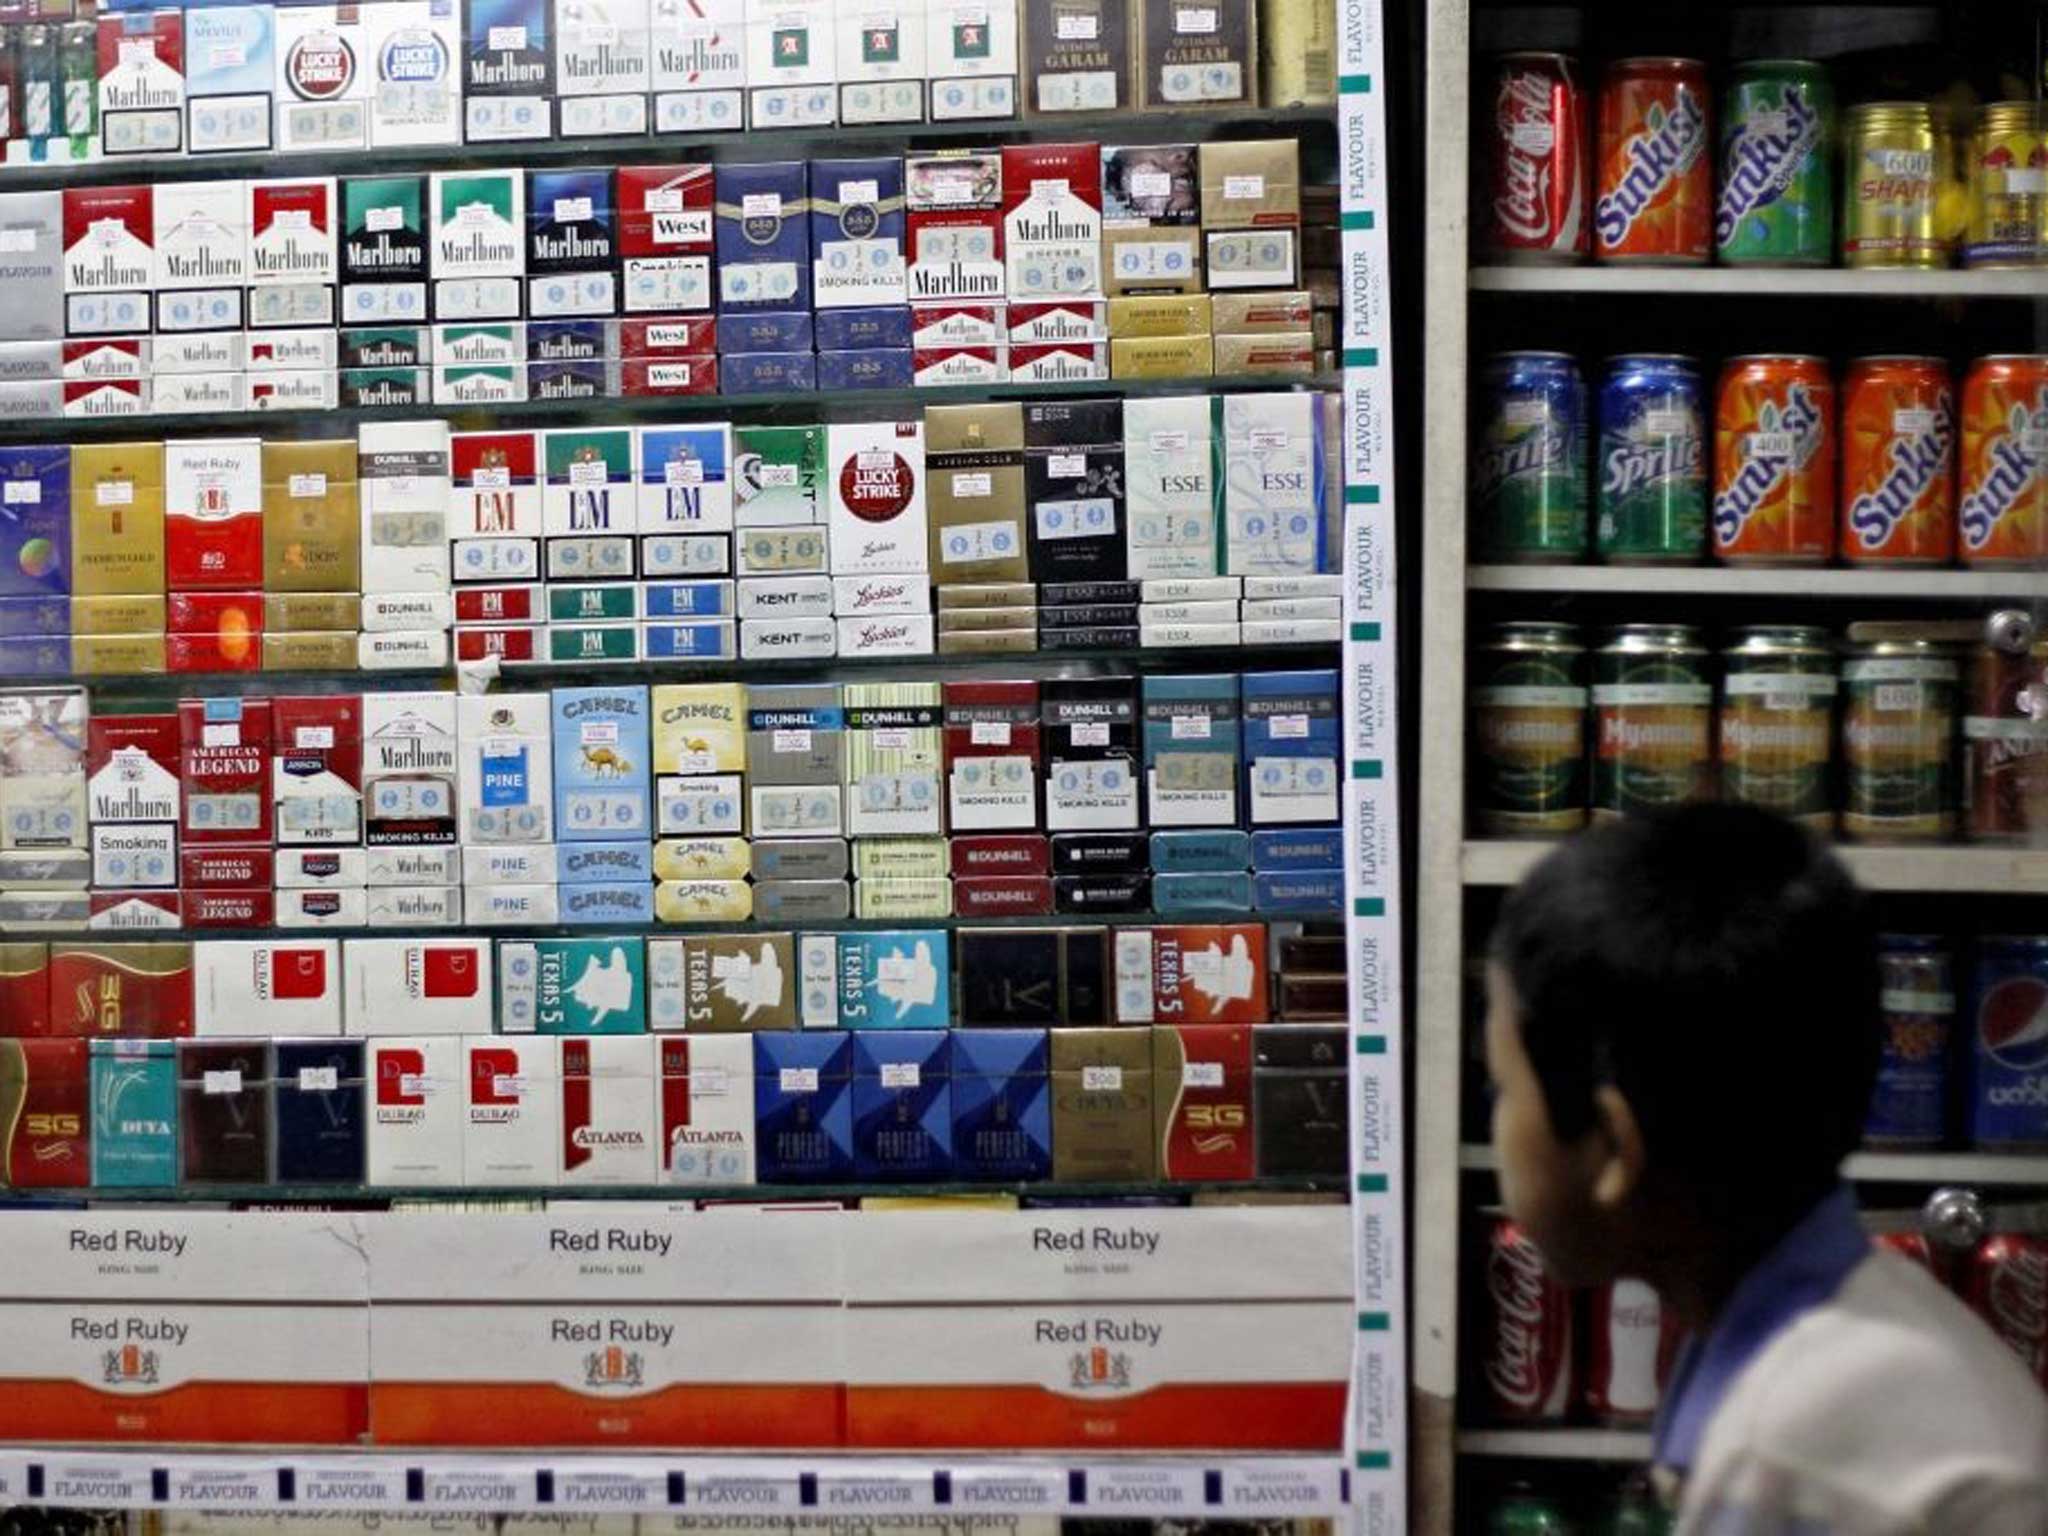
(418, 986)
(707, 1107)
(1291, 738)
(409, 758)
(1077, 55)
(1192, 762)
(892, 758)
(699, 64)
(790, 64)
(971, 51)
(141, 58)
(416, 1111)
(602, 68)
(509, 76)
(1052, 220)
(513, 1111)
(955, 202)
(1197, 56)
(602, 744)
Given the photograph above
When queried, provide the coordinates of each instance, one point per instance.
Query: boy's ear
(1620, 1139)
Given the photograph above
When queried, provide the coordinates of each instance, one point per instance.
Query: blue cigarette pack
(318, 1114)
(690, 640)
(23, 616)
(134, 1114)
(1318, 891)
(230, 74)
(890, 979)
(594, 378)
(35, 523)
(599, 863)
(1002, 1104)
(571, 341)
(707, 599)
(803, 1107)
(850, 330)
(767, 373)
(601, 752)
(612, 903)
(1298, 849)
(1201, 852)
(685, 484)
(764, 235)
(765, 330)
(1202, 895)
(857, 232)
(1291, 742)
(509, 82)
(902, 1105)
(35, 655)
(571, 222)
(867, 368)
(1191, 750)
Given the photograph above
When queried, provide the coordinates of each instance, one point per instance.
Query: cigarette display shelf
(1181, 125)
(799, 408)
(1898, 584)
(1761, 283)
(1999, 1169)
(1989, 871)
(1557, 1444)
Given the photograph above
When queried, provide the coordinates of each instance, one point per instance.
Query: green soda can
(1522, 1511)
(1652, 464)
(1653, 720)
(1528, 487)
(1777, 193)
(1635, 1510)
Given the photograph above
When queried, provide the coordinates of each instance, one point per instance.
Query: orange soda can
(1654, 198)
(1898, 462)
(1774, 462)
(2002, 501)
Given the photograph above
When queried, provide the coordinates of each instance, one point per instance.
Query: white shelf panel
(1557, 1444)
(1212, 1487)
(2005, 1170)
(1732, 581)
(1989, 871)
(1755, 282)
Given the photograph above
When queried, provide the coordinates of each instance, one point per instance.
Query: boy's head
(1682, 1024)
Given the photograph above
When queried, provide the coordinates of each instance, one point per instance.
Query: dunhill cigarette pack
(1074, 481)
(1052, 220)
(955, 201)
(666, 237)
(1197, 56)
(601, 747)
(322, 90)
(32, 226)
(699, 64)
(992, 755)
(803, 1106)
(230, 75)
(892, 758)
(790, 64)
(1077, 55)
(403, 471)
(971, 49)
(141, 57)
(602, 67)
(134, 1114)
(513, 1109)
(707, 1107)
(1091, 747)
(857, 232)
(1291, 724)
(763, 236)
(509, 81)
(1191, 750)
(1275, 519)
(881, 61)
(416, 91)
(415, 1087)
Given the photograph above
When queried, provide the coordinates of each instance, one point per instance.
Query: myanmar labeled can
(1653, 717)
(1654, 193)
(1900, 207)
(1898, 743)
(1529, 726)
(1774, 461)
(1529, 458)
(1777, 196)
(1898, 462)
(1917, 1001)
(2008, 191)
(2002, 492)
(1538, 169)
(1778, 722)
(2008, 1051)
(1651, 466)
(2005, 746)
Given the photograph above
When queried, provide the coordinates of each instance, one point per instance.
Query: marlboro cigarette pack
(955, 201)
(409, 764)
(699, 64)
(142, 82)
(602, 73)
(509, 75)
(132, 763)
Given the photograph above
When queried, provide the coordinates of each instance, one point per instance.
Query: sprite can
(1776, 206)
(1528, 488)
(1522, 1511)
(1652, 463)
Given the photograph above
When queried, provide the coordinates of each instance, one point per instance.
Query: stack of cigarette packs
(713, 1059)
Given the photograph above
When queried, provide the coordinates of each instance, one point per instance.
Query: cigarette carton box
(25, 987)
(878, 522)
(509, 76)
(608, 1092)
(416, 84)
(416, 1113)
(955, 202)
(602, 68)
(506, 774)
(707, 1108)
(513, 1111)
(699, 64)
(790, 59)
(971, 50)
(410, 759)
(134, 1114)
(1197, 57)
(803, 1107)
(666, 237)
(478, 239)
(601, 751)
(403, 473)
(418, 986)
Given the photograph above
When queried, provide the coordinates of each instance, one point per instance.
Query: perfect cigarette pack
(903, 1105)
(803, 1106)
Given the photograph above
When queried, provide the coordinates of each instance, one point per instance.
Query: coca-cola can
(1539, 173)
(2006, 1283)
(1631, 1341)
(1911, 1246)
(1527, 1366)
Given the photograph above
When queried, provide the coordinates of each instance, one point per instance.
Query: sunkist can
(1528, 491)
(1899, 742)
(1538, 167)
(2002, 491)
(1529, 731)
(1776, 204)
(1774, 461)
(1778, 721)
(1917, 1002)
(1653, 719)
(1898, 462)
(2008, 1054)
(1654, 197)
(1651, 465)
(2005, 745)
(2008, 189)
(1898, 194)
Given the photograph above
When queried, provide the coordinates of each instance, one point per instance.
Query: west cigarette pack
(666, 237)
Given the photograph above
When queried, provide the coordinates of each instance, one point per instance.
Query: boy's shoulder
(1895, 1394)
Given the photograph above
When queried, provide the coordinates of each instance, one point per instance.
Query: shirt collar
(1807, 1266)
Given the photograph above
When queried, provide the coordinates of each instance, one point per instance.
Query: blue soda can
(1651, 466)
(1909, 1107)
(1528, 488)
(2009, 1044)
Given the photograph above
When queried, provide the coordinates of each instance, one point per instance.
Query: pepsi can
(1917, 1001)
(1528, 488)
(2009, 1044)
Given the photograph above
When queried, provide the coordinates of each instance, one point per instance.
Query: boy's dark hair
(1717, 965)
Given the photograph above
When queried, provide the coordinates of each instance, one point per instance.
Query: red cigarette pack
(224, 754)
(1202, 1099)
(44, 1096)
(135, 991)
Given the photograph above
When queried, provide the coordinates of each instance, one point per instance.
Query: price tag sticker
(900, 1074)
(319, 1079)
(793, 741)
(1287, 727)
(1091, 733)
(507, 38)
(799, 1079)
(1077, 29)
(304, 486)
(989, 733)
(1238, 189)
(221, 1082)
(115, 493)
(1194, 20)
(1102, 1079)
(761, 205)
(508, 1085)
(968, 486)
(22, 493)
(1191, 727)
(377, 220)
(1201, 1074)
(572, 210)
(1062, 465)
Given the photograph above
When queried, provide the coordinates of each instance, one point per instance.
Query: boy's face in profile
(1567, 1195)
